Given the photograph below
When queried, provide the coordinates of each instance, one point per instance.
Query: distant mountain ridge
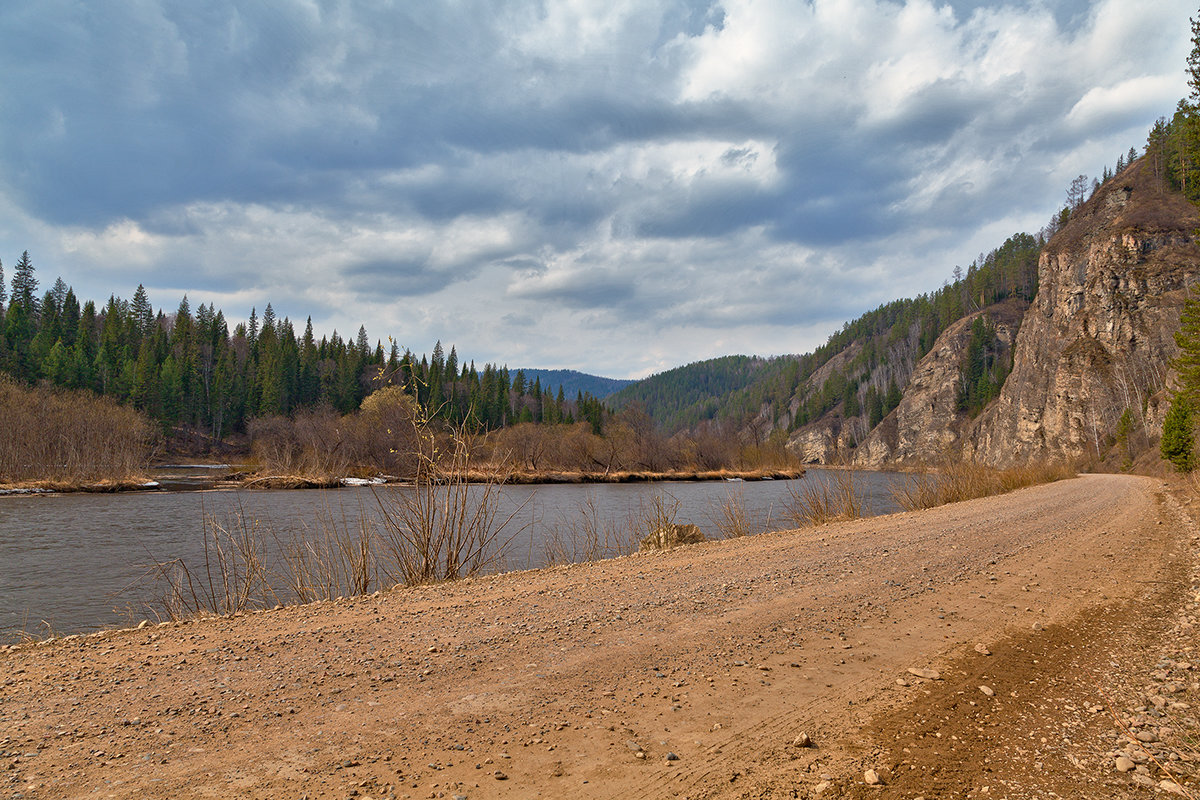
(574, 382)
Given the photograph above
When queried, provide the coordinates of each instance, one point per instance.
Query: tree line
(188, 368)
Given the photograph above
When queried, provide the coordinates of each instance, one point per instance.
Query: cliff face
(926, 426)
(823, 442)
(1096, 341)
(1099, 335)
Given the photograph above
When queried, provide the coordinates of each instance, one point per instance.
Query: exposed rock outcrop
(819, 443)
(1097, 340)
(927, 427)
(1099, 336)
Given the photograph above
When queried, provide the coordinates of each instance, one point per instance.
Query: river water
(74, 563)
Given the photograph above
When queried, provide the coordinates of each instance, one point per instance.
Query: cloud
(664, 180)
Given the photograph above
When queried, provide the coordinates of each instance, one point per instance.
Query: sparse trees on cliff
(1187, 363)
(1077, 192)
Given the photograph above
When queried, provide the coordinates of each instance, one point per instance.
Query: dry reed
(817, 502)
(730, 517)
(588, 537)
(965, 480)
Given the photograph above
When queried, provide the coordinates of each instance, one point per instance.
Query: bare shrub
(320, 443)
(818, 502)
(730, 517)
(771, 454)
(385, 433)
(711, 448)
(273, 443)
(443, 527)
(70, 436)
(319, 431)
(232, 575)
(338, 558)
(658, 512)
(588, 537)
(439, 528)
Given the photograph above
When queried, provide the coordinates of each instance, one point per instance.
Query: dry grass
(818, 502)
(645, 476)
(966, 480)
(730, 517)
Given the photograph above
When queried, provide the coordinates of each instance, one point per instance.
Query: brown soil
(582, 681)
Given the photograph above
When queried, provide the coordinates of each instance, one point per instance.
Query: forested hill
(574, 383)
(860, 371)
(686, 396)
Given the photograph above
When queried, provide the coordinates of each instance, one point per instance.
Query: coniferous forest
(315, 407)
(188, 368)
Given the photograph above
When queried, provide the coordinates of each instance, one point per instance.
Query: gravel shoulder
(689, 673)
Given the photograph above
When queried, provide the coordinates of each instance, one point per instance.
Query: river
(73, 563)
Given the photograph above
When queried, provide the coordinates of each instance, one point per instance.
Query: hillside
(830, 399)
(1097, 342)
(574, 383)
(1045, 348)
(686, 396)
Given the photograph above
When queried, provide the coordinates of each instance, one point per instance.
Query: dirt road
(681, 674)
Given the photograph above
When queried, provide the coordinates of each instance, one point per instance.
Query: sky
(612, 186)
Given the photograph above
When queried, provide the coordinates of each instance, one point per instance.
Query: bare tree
(1077, 192)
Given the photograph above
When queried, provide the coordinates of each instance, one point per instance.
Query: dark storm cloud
(736, 166)
(396, 278)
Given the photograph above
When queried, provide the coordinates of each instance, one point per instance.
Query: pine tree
(1193, 62)
(1187, 363)
(141, 312)
(70, 318)
(1177, 445)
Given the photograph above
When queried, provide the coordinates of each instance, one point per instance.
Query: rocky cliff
(1099, 335)
(927, 427)
(1097, 340)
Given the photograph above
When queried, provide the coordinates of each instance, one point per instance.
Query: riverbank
(143, 484)
(689, 673)
(242, 479)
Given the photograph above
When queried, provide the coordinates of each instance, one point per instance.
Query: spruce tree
(25, 284)
(141, 312)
